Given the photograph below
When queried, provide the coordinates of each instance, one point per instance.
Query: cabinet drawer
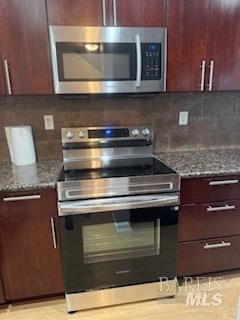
(204, 256)
(210, 189)
(26, 204)
(211, 220)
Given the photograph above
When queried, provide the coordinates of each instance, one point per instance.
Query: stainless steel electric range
(118, 215)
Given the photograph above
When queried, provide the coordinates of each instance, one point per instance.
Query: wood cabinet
(25, 47)
(224, 44)
(200, 190)
(203, 45)
(209, 225)
(2, 298)
(76, 12)
(209, 220)
(2, 88)
(205, 256)
(29, 247)
(141, 13)
(187, 22)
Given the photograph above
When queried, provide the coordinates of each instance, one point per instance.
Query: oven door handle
(113, 204)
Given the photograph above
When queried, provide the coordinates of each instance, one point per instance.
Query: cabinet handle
(222, 182)
(104, 12)
(115, 13)
(53, 234)
(7, 75)
(203, 67)
(210, 85)
(21, 198)
(222, 208)
(222, 244)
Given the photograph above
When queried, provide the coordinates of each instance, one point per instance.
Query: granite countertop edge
(42, 175)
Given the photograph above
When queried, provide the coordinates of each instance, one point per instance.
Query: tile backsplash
(214, 118)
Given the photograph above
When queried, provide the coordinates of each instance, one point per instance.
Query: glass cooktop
(152, 167)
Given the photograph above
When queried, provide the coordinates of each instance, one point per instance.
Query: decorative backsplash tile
(213, 118)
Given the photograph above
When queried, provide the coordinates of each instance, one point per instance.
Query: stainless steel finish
(94, 158)
(114, 12)
(106, 157)
(7, 75)
(223, 182)
(210, 85)
(109, 187)
(75, 131)
(226, 207)
(139, 61)
(104, 12)
(120, 295)
(53, 234)
(106, 34)
(222, 244)
(158, 236)
(203, 68)
(22, 198)
(117, 203)
(98, 157)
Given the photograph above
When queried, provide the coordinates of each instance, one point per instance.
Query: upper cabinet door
(24, 46)
(77, 12)
(2, 89)
(187, 22)
(224, 45)
(139, 13)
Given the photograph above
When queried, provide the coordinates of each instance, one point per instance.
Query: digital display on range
(108, 133)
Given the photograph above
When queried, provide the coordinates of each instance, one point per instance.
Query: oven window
(96, 62)
(120, 239)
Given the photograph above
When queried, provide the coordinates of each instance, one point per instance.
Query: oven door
(101, 60)
(126, 241)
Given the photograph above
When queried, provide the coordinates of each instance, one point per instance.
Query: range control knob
(146, 132)
(82, 134)
(69, 134)
(135, 132)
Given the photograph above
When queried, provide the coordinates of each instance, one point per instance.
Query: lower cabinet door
(205, 256)
(2, 299)
(30, 258)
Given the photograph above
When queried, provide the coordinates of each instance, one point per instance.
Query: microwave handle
(139, 61)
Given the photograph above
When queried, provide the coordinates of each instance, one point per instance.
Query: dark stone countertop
(203, 163)
(43, 174)
(195, 163)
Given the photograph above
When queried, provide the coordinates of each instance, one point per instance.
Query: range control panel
(151, 61)
(85, 134)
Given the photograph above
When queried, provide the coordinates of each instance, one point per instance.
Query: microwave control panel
(151, 61)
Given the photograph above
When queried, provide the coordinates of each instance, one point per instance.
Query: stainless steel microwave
(108, 59)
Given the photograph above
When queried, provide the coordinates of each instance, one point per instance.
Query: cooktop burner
(151, 168)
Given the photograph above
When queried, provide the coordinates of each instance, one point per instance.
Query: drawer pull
(222, 244)
(223, 208)
(21, 198)
(222, 182)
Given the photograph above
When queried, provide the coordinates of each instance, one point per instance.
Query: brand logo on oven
(122, 271)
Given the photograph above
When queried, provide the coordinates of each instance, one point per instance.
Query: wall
(214, 118)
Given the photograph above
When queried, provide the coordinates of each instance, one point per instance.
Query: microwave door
(99, 66)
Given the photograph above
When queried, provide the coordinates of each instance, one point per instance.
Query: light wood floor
(173, 309)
